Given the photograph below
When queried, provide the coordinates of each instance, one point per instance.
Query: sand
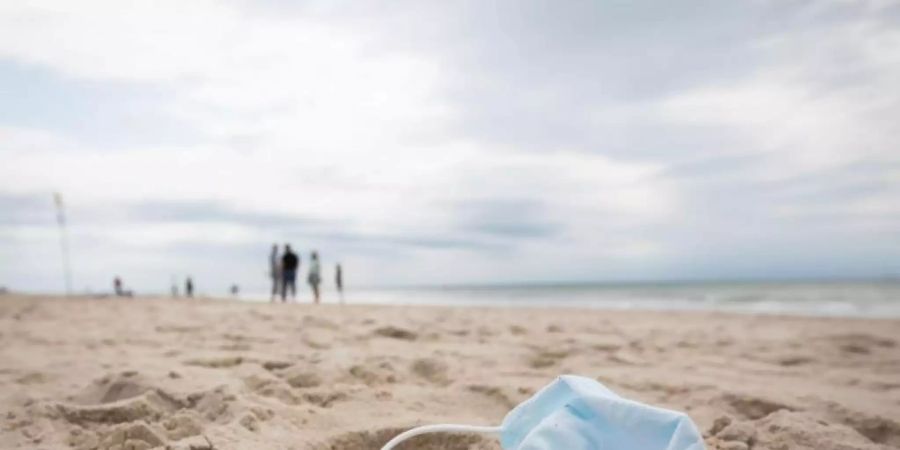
(212, 374)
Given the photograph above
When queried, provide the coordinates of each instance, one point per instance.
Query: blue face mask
(577, 413)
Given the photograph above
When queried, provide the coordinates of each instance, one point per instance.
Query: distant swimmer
(339, 281)
(275, 271)
(315, 276)
(289, 265)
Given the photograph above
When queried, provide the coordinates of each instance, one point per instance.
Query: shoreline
(637, 309)
(865, 299)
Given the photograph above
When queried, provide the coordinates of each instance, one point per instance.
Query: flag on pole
(60, 217)
(63, 241)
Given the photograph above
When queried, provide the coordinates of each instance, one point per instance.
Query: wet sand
(204, 374)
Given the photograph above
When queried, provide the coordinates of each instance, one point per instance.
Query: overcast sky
(449, 142)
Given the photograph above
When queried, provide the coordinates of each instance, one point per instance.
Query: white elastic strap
(439, 429)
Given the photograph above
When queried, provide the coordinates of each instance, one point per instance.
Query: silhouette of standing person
(189, 287)
(289, 265)
(339, 281)
(315, 276)
(117, 286)
(275, 271)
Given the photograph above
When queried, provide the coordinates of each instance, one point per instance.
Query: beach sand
(203, 374)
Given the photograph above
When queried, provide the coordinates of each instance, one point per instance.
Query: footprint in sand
(216, 363)
(183, 424)
(273, 365)
(433, 370)
(859, 343)
(372, 372)
(272, 388)
(752, 407)
(792, 361)
(213, 405)
(495, 393)
(374, 440)
(132, 436)
(298, 388)
(517, 330)
(32, 378)
(117, 399)
(396, 333)
(880, 430)
(543, 358)
(300, 378)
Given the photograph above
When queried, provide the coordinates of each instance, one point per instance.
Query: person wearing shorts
(315, 276)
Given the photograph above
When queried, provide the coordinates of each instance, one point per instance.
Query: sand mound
(113, 388)
(116, 399)
(126, 412)
(753, 407)
(789, 429)
(147, 406)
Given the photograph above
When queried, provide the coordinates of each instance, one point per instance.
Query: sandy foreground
(205, 374)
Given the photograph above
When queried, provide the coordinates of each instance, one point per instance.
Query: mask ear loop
(439, 429)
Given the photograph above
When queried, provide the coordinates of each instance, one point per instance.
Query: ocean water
(858, 298)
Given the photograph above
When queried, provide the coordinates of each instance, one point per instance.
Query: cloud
(438, 142)
(104, 115)
(24, 210)
(510, 218)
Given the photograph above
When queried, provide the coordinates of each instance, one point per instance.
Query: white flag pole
(63, 241)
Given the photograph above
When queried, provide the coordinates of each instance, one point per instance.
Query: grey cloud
(381, 242)
(211, 211)
(27, 209)
(505, 218)
(843, 183)
(755, 206)
(294, 227)
(301, 228)
(531, 74)
(701, 169)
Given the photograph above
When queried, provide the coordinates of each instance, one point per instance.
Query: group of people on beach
(283, 270)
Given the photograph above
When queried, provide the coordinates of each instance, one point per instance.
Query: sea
(876, 298)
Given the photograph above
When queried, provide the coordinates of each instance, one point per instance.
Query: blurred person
(235, 290)
(189, 287)
(315, 276)
(290, 262)
(275, 271)
(339, 281)
(117, 286)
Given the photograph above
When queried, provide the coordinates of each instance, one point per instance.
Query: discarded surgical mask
(577, 413)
